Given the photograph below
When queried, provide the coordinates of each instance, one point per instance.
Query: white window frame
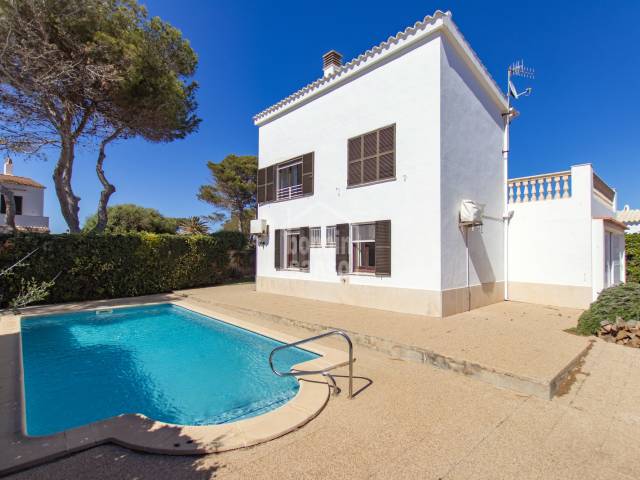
(315, 236)
(287, 244)
(352, 259)
(328, 236)
(291, 191)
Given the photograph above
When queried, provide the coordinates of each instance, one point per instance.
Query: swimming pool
(163, 361)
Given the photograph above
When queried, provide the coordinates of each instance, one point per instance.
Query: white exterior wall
(556, 249)
(472, 168)
(404, 91)
(32, 207)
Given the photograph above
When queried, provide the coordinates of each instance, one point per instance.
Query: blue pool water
(163, 361)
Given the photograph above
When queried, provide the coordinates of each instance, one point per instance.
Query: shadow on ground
(111, 462)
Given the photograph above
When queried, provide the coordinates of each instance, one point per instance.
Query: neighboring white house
(363, 172)
(29, 200)
(631, 218)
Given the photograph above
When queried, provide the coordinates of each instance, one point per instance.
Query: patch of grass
(619, 301)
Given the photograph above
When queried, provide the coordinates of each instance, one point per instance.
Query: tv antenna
(518, 69)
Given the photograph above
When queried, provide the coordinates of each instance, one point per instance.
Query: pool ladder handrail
(324, 372)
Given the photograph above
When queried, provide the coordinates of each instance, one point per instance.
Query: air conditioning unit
(471, 213)
(258, 227)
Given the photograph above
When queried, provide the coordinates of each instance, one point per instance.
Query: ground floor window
(363, 247)
(315, 236)
(331, 236)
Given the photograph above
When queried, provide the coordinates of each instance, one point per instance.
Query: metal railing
(324, 372)
(289, 192)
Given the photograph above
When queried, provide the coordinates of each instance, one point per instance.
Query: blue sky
(584, 108)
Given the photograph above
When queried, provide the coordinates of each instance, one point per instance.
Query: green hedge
(620, 301)
(632, 251)
(91, 267)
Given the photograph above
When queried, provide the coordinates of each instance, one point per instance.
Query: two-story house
(362, 174)
(29, 200)
(363, 171)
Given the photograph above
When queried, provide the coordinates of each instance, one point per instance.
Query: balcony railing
(290, 192)
(550, 186)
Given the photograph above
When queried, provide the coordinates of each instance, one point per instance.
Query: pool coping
(136, 431)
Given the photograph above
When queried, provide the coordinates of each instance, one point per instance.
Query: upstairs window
(290, 180)
(18, 201)
(372, 157)
(285, 180)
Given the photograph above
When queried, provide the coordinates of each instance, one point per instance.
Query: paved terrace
(514, 345)
(417, 422)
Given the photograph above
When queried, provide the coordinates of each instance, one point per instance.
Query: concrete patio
(409, 420)
(424, 423)
(510, 344)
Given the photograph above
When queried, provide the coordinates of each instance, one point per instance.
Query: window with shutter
(285, 180)
(371, 157)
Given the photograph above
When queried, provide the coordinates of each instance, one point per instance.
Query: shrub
(92, 267)
(231, 240)
(632, 247)
(619, 301)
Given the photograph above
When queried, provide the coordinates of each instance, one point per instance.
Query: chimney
(331, 62)
(8, 166)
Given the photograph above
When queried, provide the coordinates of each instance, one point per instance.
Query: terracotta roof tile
(628, 216)
(27, 182)
(368, 56)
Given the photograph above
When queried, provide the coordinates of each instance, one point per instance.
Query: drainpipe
(505, 196)
(506, 216)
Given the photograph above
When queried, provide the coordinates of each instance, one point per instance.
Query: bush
(231, 240)
(632, 253)
(91, 267)
(619, 301)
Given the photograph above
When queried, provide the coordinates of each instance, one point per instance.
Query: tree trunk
(69, 202)
(107, 188)
(10, 202)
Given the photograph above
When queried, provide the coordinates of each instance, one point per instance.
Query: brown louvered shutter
(270, 184)
(262, 180)
(307, 174)
(386, 152)
(383, 248)
(278, 250)
(342, 248)
(305, 247)
(354, 174)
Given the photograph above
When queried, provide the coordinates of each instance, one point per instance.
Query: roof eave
(432, 25)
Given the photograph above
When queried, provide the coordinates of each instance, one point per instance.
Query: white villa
(29, 199)
(363, 173)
